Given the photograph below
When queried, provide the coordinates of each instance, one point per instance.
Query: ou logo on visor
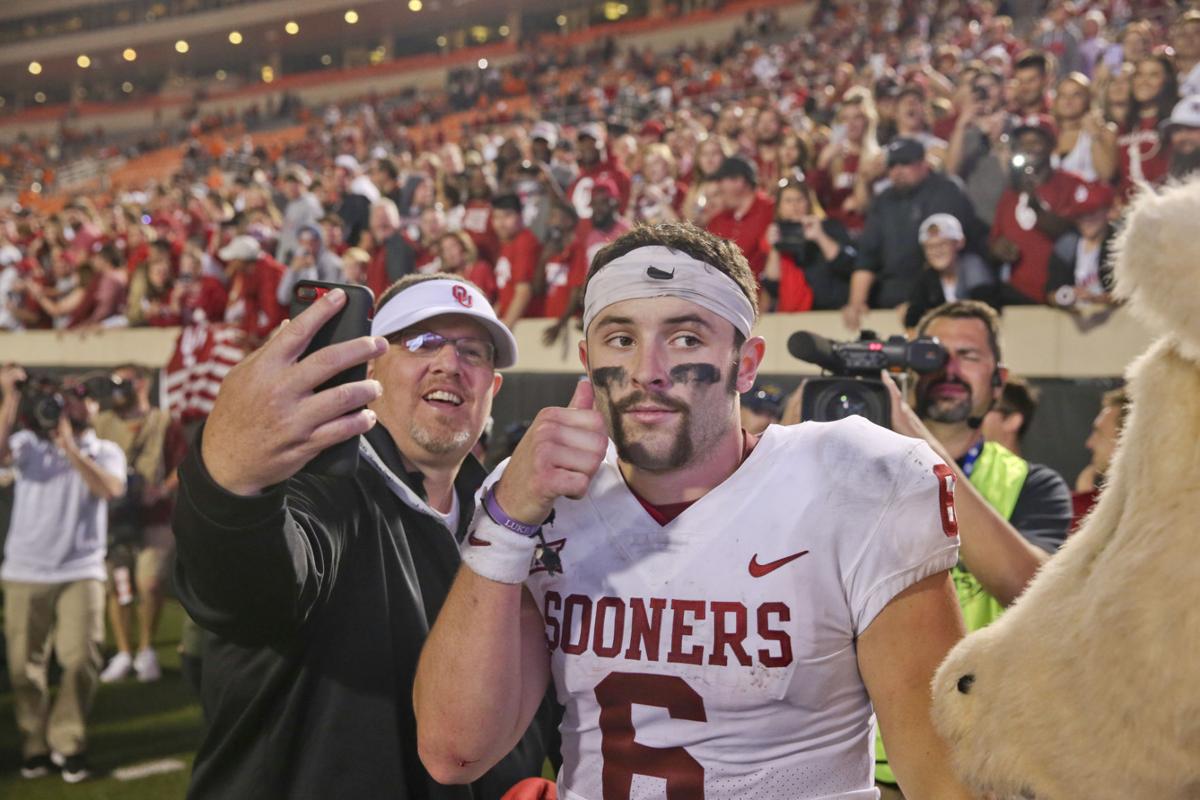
(462, 295)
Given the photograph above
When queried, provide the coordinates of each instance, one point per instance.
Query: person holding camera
(1017, 512)
(310, 261)
(1011, 514)
(53, 571)
(1036, 208)
(318, 590)
(140, 538)
(978, 150)
(809, 256)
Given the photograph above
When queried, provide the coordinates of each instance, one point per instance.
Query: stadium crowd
(918, 159)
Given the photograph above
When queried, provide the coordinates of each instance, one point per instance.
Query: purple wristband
(493, 509)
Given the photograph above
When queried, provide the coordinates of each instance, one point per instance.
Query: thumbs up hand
(557, 457)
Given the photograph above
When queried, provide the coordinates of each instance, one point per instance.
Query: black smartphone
(353, 321)
(792, 240)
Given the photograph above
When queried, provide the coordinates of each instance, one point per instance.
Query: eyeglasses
(474, 352)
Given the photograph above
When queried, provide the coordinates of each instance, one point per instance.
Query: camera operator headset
(999, 552)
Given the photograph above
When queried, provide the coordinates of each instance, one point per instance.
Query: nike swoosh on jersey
(758, 570)
(475, 540)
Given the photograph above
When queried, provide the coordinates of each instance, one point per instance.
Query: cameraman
(1011, 514)
(1017, 513)
(53, 572)
(140, 524)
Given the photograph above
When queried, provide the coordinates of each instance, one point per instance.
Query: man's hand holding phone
(268, 422)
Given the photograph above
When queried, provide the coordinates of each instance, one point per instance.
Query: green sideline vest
(999, 475)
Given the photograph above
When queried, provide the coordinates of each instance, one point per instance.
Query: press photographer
(53, 571)
(141, 544)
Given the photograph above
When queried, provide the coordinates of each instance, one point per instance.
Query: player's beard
(637, 452)
(944, 409)
(695, 433)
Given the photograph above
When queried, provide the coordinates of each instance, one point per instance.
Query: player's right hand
(557, 457)
(267, 422)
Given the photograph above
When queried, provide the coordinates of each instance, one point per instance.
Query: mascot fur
(1089, 685)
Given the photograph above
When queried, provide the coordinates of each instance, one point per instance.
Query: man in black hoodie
(319, 591)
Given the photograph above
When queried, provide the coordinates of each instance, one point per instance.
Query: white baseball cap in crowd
(441, 296)
(545, 130)
(944, 225)
(592, 129)
(242, 248)
(347, 162)
(1186, 114)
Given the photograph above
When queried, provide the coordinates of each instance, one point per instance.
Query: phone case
(353, 321)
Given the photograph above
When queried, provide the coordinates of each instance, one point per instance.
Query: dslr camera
(792, 241)
(44, 398)
(43, 401)
(852, 386)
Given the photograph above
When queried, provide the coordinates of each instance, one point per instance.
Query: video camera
(854, 387)
(44, 398)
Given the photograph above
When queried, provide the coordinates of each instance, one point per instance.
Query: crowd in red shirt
(703, 134)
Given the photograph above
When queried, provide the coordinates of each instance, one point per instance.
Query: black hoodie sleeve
(252, 569)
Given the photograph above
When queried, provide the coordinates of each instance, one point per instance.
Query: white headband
(656, 271)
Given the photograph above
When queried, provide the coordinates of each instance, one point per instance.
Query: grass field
(131, 724)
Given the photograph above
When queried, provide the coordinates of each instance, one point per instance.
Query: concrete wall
(1037, 342)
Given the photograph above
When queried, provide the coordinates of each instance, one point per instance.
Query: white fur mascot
(1089, 686)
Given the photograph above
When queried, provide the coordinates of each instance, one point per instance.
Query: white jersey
(714, 657)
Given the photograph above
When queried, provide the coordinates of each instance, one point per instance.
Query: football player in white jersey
(722, 615)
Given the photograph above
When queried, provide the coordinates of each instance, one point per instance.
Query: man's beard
(935, 409)
(1184, 163)
(635, 452)
(438, 443)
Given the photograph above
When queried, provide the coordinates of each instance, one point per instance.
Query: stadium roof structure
(61, 50)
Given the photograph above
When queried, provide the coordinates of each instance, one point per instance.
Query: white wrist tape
(496, 553)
